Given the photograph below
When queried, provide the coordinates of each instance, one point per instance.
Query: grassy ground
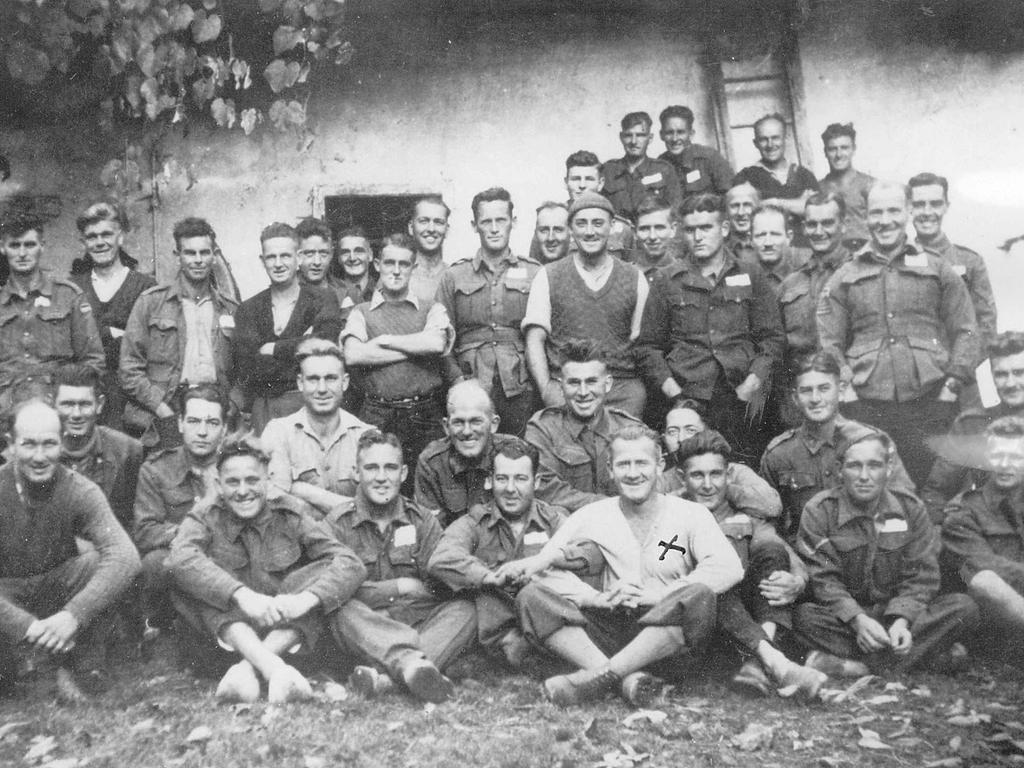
(158, 714)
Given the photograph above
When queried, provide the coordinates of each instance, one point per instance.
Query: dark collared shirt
(799, 465)
(486, 307)
(167, 490)
(401, 550)
(448, 484)
(792, 259)
(627, 189)
(798, 298)
(113, 463)
(38, 536)
(697, 331)
(971, 267)
(215, 553)
(50, 325)
(700, 169)
(853, 187)
(898, 325)
(798, 181)
(480, 541)
(857, 560)
(574, 454)
(983, 530)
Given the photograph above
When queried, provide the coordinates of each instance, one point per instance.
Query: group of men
(457, 455)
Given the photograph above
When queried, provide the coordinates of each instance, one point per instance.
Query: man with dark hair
(929, 204)
(45, 321)
(478, 552)
(772, 236)
(317, 266)
(583, 173)
(573, 438)
(428, 227)
(872, 555)
(485, 297)
(258, 577)
(845, 181)
(628, 180)
(170, 483)
(109, 458)
(271, 324)
(398, 342)
(753, 611)
(654, 601)
(551, 233)
(313, 451)
(801, 462)
(178, 333)
(591, 295)
(656, 231)
(699, 168)
(780, 183)
(355, 257)
(401, 619)
(52, 594)
(740, 203)
(983, 533)
(712, 330)
(453, 473)
(900, 322)
(959, 465)
(111, 283)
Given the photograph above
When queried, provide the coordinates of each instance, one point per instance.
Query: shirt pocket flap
(282, 556)
(54, 312)
(468, 284)
(890, 541)
(520, 284)
(797, 480)
(739, 292)
(846, 542)
(792, 293)
(571, 454)
(163, 323)
(229, 556)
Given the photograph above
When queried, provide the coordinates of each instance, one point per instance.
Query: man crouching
(258, 576)
(665, 560)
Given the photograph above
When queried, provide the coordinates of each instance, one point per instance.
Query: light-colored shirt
(297, 453)
(709, 558)
(424, 279)
(437, 320)
(198, 365)
(538, 306)
(106, 287)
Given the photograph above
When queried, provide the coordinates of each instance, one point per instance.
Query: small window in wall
(379, 215)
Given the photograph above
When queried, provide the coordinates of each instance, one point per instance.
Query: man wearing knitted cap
(591, 296)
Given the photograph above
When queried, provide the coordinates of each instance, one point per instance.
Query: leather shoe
(582, 685)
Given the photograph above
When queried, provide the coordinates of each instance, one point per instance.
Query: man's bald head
(36, 441)
(37, 413)
(470, 421)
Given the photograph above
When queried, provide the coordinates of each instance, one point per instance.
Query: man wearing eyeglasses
(634, 176)
(428, 227)
(400, 340)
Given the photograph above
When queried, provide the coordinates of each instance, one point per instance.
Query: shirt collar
(888, 506)
(360, 513)
(940, 244)
(575, 427)
(868, 253)
(346, 421)
(41, 283)
(489, 515)
(460, 465)
(378, 298)
(233, 525)
(507, 257)
(825, 437)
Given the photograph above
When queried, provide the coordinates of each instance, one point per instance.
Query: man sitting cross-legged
(258, 576)
(51, 593)
(983, 532)
(665, 560)
(872, 555)
(401, 619)
(754, 610)
(477, 553)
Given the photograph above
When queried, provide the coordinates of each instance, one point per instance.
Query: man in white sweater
(665, 562)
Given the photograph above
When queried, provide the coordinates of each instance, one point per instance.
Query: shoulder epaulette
(435, 447)
(780, 438)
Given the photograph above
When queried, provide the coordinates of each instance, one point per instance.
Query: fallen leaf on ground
(798, 745)
(871, 740)
(41, 747)
(955, 743)
(895, 687)
(754, 736)
(199, 734)
(908, 742)
(922, 690)
(969, 720)
(957, 708)
(64, 762)
(143, 725)
(946, 762)
(878, 700)
(314, 761)
(6, 728)
(653, 716)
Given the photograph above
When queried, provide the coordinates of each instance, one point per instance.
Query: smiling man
(313, 451)
(900, 322)
(772, 237)
(47, 321)
(271, 324)
(740, 203)
(485, 297)
(177, 334)
(52, 594)
(780, 183)
(111, 283)
(872, 555)
(259, 578)
(428, 227)
(550, 233)
(983, 535)
(453, 473)
(699, 168)
(654, 601)
(656, 231)
(583, 173)
(842, 179)
(628, 180)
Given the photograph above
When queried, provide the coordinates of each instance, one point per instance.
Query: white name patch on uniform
(654, 178)
(535, 537)
(916, 260)
(516, 273)
(692, 177)
(893, 525)
(405, 536)
(737, 280)
(960, 269)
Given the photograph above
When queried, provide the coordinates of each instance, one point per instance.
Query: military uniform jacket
(983, 530)
(798, 299)
(482, 540)
(857, 561)
(800, 465)
(696, 331)
(52, 324)
(573, 467)
(486, 308)
(153, 349)
(112, 463)
(167, 490)
(898, 326)
(627, 189)
(448, 484)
